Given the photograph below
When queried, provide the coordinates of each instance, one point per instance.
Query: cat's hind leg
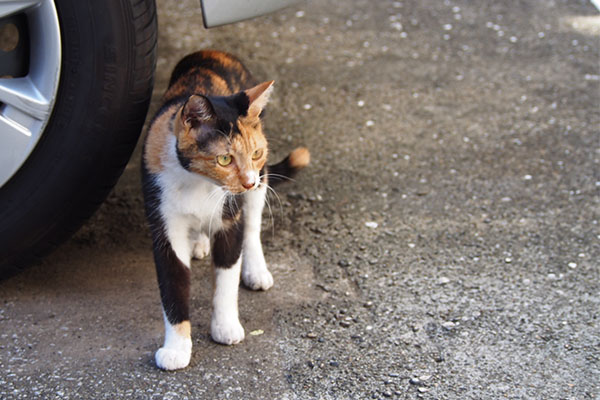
(255, 274)
(201, 246)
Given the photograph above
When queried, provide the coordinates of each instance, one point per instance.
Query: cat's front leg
(255, 274)
(172, 259)
(225, 327)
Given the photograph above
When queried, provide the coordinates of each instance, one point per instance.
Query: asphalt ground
(443, 244)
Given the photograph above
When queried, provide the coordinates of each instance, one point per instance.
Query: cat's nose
(249, 180)
(248, 184)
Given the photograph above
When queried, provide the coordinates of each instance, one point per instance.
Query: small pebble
(508, 260)
(448, 325)
(334, 363)
(311, 335)
(369, 123)
(360, 103)
(371, 224)
(257, 332)
(307, 106)
(572, 265)
(443, 280)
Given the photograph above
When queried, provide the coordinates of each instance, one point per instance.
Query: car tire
(106, 79)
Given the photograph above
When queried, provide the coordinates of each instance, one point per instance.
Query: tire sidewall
(96, 120)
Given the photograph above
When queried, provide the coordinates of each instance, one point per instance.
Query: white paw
(257, 279)
(170, 359)
(202, 247)
(255, 274)
(226, 331)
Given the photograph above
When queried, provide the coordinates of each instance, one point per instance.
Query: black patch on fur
(172, 275)
(207, 136)
(183, 160)
(240, 102)
(227, 245)
(228, 110)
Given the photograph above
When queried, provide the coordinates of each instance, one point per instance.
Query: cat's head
(222, 137)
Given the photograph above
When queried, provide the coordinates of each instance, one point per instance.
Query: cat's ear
(258, 97)
(197, 110)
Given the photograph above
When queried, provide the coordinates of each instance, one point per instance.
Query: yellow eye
(224, 160)
(257, 154)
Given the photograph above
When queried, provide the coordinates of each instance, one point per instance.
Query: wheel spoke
(15, 140)
(8, 7)
(22, 94)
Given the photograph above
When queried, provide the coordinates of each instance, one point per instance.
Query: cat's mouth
(238, 191)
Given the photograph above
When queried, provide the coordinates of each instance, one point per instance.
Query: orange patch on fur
(156, 142)
(300, 157)
(183, 329)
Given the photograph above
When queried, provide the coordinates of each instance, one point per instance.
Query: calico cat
(204, 178)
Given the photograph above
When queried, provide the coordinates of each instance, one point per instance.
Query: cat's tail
(289, 166)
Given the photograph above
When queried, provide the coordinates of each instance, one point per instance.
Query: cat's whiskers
(270, 210)
(269, 188)
(279, 176)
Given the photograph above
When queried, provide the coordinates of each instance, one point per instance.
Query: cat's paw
(202, 247)
(255, 274)
(226, 331)
(170, 359)
(257, 279)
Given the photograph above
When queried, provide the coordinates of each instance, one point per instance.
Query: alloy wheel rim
(26, 102)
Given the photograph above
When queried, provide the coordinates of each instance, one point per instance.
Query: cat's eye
(257, 154)
(224, 160)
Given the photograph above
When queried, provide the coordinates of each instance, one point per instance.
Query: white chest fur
(189, 203)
